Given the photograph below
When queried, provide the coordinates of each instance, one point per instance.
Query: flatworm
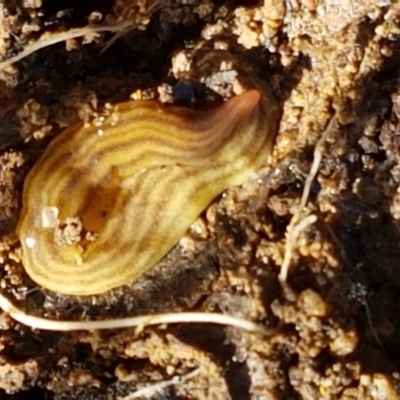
(133, 186)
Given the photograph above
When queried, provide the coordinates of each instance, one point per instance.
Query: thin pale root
(48, 40)
(299, 221)
(139, 322)
(151, 390)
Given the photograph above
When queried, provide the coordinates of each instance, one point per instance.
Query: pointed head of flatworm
(99, 210)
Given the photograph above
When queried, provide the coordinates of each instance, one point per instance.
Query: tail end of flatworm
(246, 103)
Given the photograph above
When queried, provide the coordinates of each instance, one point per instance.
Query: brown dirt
(336, 322)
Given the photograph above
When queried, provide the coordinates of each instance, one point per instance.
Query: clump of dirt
(333, 68)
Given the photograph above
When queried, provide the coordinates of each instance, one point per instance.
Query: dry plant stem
(151, 390)
(298, 222)
(48, 40)
(139, 322)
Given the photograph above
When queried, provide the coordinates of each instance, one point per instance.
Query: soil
(335, 322)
